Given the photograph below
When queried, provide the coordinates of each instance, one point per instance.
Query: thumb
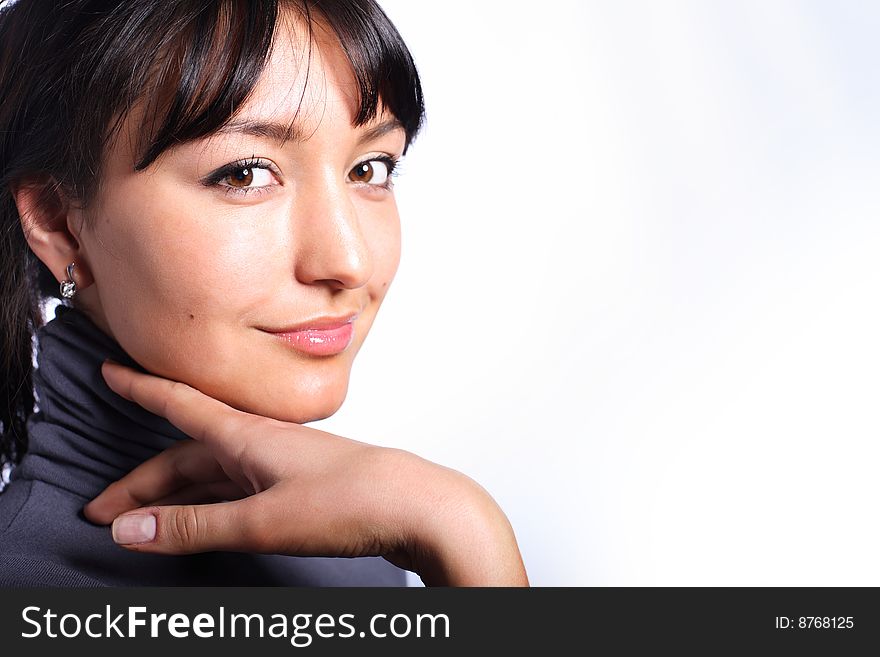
(187, 529)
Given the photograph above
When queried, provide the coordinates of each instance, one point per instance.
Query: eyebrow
(281, 133)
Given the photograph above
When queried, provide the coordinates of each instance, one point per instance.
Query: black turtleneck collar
(85, 436)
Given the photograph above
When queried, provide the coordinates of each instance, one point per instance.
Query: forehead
(307, 79)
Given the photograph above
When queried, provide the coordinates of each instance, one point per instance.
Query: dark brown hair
(72, 70)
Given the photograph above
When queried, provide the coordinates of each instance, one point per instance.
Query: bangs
(206, 59)
(380, 59)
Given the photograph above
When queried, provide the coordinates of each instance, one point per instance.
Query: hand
(283, 488)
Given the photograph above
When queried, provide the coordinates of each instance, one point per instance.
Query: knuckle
(176, 390)
(232, 423)
(119, 490)
(248, 429)
(135, 390)
(176, 473)
(178, 387)
(186, 529)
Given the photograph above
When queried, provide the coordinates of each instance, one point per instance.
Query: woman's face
(189, 277)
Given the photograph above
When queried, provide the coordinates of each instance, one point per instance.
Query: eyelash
(215, 179)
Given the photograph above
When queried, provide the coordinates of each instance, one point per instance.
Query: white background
(638, 297)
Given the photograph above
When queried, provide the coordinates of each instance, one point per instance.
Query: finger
(218, 491)
(188, 529)
(182, 464)
(275, 521)
(201, 417)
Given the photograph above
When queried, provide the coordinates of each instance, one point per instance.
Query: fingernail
(134, 528)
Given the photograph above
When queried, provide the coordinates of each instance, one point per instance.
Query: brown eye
(374, 172)
(362, 172)
(241, 177)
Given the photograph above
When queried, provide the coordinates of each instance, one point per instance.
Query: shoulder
(20, 571)
(29, 531)
(13, 498)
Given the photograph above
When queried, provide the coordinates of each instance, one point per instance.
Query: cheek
(386, 247)
(181, 274)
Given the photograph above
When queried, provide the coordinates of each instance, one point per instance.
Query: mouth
(324, 336)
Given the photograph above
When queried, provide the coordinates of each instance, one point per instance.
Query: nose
(330, 243)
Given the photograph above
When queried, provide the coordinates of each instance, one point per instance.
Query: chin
(310, 413)
(299, 408)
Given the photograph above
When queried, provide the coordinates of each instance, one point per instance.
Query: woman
(209, 182)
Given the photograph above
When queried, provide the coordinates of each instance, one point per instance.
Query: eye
(243, 177)
(376, 172)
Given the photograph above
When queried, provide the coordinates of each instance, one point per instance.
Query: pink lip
(324, 341)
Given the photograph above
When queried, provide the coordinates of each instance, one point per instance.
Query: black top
(83, 437)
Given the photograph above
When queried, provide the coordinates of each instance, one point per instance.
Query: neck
(84, 436)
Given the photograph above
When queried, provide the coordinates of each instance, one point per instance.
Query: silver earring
(68, 287)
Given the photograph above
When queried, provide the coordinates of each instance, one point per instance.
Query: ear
(51, 225)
